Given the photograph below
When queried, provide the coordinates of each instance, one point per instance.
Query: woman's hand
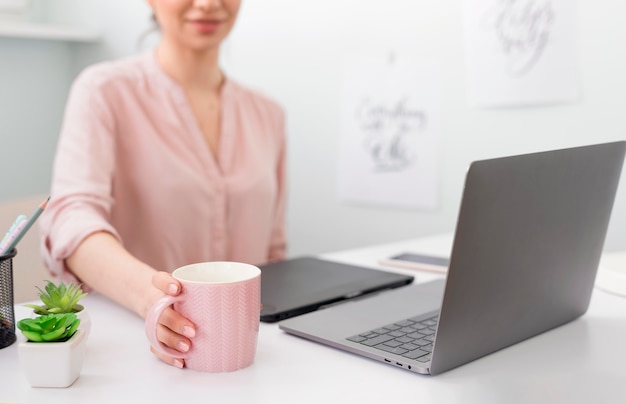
(174, 330)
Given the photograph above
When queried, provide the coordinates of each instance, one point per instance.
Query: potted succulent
(50, 327)
(62, 298)
(55, 335)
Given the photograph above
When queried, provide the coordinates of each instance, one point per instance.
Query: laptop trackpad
(370, 312)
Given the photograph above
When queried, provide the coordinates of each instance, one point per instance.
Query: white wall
(293, 51)
(34, 77)
(122, 24)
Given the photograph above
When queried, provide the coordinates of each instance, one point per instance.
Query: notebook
(304, 284)
(528, 240)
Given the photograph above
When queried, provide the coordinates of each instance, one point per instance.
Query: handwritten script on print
(388, 153)
(521, 52)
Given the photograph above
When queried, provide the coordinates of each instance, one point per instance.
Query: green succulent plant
(50, 327)
(59, 299)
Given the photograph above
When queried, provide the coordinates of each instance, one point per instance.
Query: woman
(162, 162)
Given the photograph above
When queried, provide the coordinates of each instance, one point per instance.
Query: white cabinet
(23, 19)
(16, 29)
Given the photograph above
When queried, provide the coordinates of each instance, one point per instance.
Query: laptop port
(387, 360)
(398, 363)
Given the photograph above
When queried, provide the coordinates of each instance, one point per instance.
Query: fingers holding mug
(174, 332)
(176, 362)
(217, 311)
(166, 283)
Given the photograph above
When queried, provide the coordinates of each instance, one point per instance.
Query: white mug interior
(216, 272)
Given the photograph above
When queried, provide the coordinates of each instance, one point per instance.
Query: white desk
(581, 362)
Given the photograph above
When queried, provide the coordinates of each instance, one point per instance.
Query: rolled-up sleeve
(81, 201)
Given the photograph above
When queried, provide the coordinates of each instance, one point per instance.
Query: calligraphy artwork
(521, 52)
(389, 152)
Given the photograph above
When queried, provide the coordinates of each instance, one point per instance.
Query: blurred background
(294, 52)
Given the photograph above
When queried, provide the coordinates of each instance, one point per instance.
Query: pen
(17, 221)
(21, 230)
(14, 231)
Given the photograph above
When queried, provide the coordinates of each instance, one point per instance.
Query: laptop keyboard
(410, 338)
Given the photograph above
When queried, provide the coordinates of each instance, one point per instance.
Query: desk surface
(580, 362)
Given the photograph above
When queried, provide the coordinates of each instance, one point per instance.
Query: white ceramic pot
(85, 320)
(53, 364)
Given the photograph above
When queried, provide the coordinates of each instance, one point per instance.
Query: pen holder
(7, 312)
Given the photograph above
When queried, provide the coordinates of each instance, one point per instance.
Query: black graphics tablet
(304, 284)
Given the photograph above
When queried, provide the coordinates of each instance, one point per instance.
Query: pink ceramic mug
(223, 300)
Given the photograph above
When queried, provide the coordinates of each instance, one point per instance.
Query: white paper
(389, 142)
(521, 52)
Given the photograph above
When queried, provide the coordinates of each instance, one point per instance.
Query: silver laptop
(528, 241)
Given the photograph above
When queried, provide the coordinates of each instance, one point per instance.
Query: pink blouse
(132, 161)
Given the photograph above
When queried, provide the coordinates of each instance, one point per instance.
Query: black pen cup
(7, 312)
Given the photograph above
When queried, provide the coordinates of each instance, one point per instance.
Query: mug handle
(152, 322)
